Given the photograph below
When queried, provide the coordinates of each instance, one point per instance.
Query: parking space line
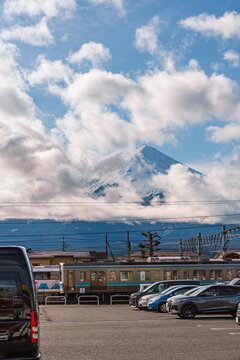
(223, 329)
(234, 333)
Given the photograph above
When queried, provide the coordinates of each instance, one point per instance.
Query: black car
(19, 316)
(212, 299)
(159, 287)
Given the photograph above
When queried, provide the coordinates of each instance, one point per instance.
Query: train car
(47, 280)
(125, 278)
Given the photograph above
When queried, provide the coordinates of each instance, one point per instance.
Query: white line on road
(234, 333)
(223, 328)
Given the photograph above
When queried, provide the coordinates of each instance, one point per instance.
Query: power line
(97, 203)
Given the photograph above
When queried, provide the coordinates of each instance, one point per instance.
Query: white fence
(127, 297)
(56, 300)
(94, 298)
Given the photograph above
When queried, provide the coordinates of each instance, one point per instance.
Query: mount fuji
(134, 166)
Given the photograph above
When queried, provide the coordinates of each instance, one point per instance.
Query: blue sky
(82, 79)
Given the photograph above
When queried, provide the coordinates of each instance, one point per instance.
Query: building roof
(52, 254)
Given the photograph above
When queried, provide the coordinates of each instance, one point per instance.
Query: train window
(125, 275)
(195, 274)
(186, 274)
(143, 275)
(199, 275)
(113, 276)
(229, 275)
(215, 274)
(156, 275)
(218, 274)
(167, 275)
(82, 276)
(93, 276)
(175, 274)
(101, 276)
(202, 275)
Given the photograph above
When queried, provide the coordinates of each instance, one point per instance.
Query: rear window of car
(228, 290)
(11, 295)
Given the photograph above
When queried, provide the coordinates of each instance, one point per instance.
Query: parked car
(143, 301)
(158, 302)
(19, 327)
(238, 315)
(171, 299)
(207, 299)
(158, 287)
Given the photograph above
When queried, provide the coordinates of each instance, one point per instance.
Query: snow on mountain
(135, 166)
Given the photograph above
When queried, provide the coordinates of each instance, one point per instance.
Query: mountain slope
(132, 166)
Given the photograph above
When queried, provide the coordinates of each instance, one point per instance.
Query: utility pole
(128, 246)
(106, 247)
(199, 240)
(107, 243)
(180, 248)
(224, 242)
(63, 244)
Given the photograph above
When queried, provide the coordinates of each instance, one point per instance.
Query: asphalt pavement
(118, 332)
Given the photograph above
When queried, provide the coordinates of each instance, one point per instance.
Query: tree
(150, 244)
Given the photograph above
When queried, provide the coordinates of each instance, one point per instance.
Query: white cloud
(36, 35)
(33, 8)
(109, 110)
(225, 134)
(93, 52)
(146, 37)
(227, 26)
(232, 57)
(49, 71)
(119, 4)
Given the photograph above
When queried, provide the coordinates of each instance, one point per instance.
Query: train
(109, 278)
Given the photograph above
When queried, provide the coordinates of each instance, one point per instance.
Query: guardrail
(56, 299)
(119, 300)
(96, 298)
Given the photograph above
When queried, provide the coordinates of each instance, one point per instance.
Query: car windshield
(197, 291)
(168, 290)
(192, 291)
(149, 287)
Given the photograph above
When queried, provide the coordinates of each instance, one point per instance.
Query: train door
(98, 280)
(70, 280)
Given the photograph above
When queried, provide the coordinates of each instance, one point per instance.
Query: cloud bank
(226, 26)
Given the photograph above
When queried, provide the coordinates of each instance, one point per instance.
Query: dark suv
(19, 329)
(159, 287)
(207, 299)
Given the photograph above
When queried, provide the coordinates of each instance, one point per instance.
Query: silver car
(238, 315)
(207, 299)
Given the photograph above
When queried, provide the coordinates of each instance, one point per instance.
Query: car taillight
(34, 327)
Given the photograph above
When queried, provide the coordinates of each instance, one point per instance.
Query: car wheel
(234, 313)
(188, 312)
(162, 307)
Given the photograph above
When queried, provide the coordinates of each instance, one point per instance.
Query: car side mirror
(202, 295)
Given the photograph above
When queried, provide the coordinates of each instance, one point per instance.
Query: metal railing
(56, 299)
(119, 300)
(95, 297)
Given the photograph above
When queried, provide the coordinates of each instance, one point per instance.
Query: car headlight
(151, 301)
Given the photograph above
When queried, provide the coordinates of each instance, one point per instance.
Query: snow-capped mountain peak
(136, 166)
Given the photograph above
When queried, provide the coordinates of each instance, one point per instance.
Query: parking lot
(118, 332)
